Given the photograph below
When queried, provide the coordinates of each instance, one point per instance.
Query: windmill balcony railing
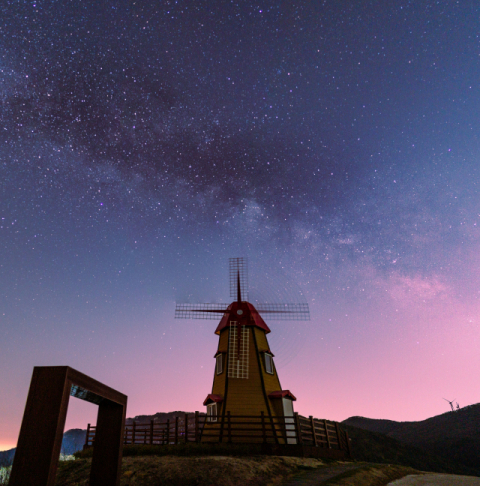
(228, 428)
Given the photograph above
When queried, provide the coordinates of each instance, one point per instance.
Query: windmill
(451, 403)
(245, 380)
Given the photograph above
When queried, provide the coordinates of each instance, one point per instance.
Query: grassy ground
(202, 466)
(199, 471)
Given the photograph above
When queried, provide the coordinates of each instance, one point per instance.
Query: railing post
(229, 425)
(87, 437)
(197, 437)
(176, 430)
(348, 445)
(339, 439)
(326, 434)
(264, 432)
(151, 431)
(186, 428)
(298, 429)
(312, 424)
(284, 423)
(168, 431)
(220, 438)
(274, 430)
(133, 432)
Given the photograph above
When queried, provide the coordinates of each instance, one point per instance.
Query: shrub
(5, 474)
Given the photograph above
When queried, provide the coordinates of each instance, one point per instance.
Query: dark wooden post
(168, 431)
(222, 423)
(41, 432)
(284, 428)
(339, 439)
(349, 449)
(274, 430)
(186, 428)
(326, 434)
(197, 435)
(108, 444)
(264, 431)
(229, 428)
(176, 430)
(87, 437)
(298, 429)
(312, 424)
(151, 431)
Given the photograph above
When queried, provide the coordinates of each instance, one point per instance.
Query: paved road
(317, 476)
(436, 480)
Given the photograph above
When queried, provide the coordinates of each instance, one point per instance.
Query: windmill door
(289, 420)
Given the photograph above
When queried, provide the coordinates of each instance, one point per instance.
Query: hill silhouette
(453, 437)
(158, 417)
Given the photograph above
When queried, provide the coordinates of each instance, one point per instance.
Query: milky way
(336, 146)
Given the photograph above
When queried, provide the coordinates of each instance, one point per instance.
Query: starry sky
(335, 144)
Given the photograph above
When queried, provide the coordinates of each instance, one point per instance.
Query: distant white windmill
(451, 403)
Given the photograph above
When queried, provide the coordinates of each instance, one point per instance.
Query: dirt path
(436, 480)
(318, 476)
(348, 474)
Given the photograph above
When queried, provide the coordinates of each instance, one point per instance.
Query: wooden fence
(178, 430)
(250, 429)
(194, 427)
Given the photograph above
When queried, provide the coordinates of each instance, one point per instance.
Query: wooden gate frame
(40, 440)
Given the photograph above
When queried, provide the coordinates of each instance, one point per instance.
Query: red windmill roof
(212, 398)
(282, 394)
(245, 313)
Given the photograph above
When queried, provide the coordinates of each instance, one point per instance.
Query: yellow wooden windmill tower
(246, 381)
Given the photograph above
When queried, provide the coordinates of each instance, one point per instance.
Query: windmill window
(269, 363)
(219, 364)
(212, 412)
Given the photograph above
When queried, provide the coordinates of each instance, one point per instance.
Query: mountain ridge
(454, 436)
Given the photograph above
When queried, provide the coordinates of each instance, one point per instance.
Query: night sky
(335, 144)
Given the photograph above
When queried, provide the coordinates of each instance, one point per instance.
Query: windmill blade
(285, 312)
(238, 271)
(200, 311)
